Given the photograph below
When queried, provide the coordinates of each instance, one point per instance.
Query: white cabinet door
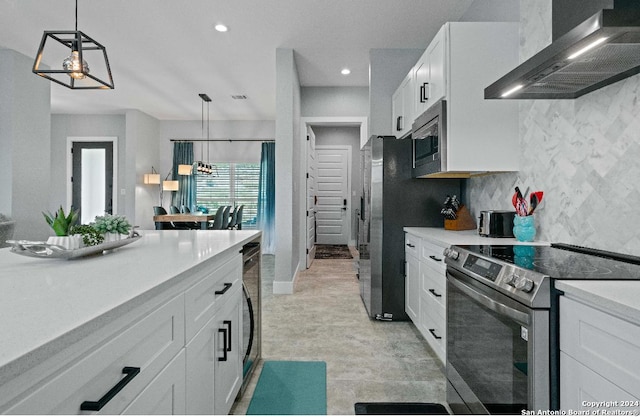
(200, 358)
(436, 58)
(421, 85)
(397, 112)
(412, 289)
(165, 395)
(402, 107)
(228, 354)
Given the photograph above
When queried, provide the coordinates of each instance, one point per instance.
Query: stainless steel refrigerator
(391, 199)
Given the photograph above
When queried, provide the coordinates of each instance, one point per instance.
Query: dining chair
(185, 209)
(217, 221)
(157, 211)
(174, 210)
(234, 218)
(225, 217)
(239, 217)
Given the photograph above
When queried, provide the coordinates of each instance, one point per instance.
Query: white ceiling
(164, 52)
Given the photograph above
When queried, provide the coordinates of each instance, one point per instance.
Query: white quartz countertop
(43, 301)
(620, 298)
(442, 237)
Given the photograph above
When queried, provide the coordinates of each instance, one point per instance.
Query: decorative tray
(45, 250)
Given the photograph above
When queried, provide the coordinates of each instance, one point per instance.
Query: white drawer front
(580, 387)
(432, 255)
(434, 331)
(433, 286)
(202, 300)
(165, 395)
(411, 244)
(149, 344)
(608, 345)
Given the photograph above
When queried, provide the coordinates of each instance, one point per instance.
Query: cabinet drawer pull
(410, 245)
(435, 258)
(225, 349)
(433, 333)
(131, 373)
(423, 93)
(227, 285)
(432, 291)
(228, 324)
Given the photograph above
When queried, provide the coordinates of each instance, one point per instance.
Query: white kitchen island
(69, 327)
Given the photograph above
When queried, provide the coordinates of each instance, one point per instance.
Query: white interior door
(333, 222)
(311, 196)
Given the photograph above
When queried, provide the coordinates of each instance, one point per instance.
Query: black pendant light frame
(74, 40)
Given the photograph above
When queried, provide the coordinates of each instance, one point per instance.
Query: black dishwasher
(251, 310)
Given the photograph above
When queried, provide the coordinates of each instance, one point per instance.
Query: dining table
(203, 219)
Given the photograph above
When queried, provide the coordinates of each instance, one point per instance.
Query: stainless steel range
(502, 321)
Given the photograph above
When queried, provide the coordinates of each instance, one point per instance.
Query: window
(235, 184)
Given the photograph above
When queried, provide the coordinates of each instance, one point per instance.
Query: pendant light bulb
(72, 63)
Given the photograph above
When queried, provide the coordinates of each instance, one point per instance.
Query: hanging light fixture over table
(69, 53)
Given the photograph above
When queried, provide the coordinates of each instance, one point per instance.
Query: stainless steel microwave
(429, 135)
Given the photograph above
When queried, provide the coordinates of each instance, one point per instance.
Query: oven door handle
(486, 301)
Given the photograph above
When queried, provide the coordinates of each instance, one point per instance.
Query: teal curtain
(267, 197)
(186, 194)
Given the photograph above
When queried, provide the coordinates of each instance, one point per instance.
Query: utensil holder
(524, 228)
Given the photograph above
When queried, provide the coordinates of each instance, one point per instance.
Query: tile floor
(325, 319)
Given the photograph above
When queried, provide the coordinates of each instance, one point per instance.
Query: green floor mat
(290, 388)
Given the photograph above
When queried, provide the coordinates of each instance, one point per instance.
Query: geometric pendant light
(76, 60)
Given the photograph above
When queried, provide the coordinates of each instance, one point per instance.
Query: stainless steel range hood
(601, 50)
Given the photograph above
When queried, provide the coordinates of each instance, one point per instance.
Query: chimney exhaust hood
(601, 50)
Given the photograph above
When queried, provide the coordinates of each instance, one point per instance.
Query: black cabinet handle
(228, 324)
(225, 350)
(410, 245)
(432, 291)
(399, 124)
(227, 285)
(131, 373)
(435, 258)
(433, 333)
(423, 93)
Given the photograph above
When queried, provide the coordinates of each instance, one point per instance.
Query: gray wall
(288, 168)
(65, 125)
(334, 101)
(492, 11)
(25, 120)
(583, 153)
(387, 69)
(142, 152)
(350, 136)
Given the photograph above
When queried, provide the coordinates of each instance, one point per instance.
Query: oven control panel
(482, 267)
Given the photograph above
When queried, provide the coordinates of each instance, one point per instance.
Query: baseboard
(283, 287)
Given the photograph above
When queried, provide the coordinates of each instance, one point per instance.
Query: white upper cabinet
(403, 107)
(460, 61)
(430, 74)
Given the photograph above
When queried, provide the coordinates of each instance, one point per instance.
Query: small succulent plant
(111, 224)
(90, 236)
(60, 222)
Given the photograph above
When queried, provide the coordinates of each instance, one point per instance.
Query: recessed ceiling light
(345, 71)
(221, 28)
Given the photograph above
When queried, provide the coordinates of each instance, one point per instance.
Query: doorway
(361, 123)
(92, 180)
(333, 208)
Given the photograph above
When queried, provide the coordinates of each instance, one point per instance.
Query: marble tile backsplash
(584, 154)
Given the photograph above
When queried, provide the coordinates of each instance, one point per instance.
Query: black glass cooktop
(565, 261)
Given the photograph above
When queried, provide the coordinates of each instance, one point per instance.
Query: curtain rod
(222, 140)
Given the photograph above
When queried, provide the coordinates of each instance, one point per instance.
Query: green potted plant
(90, 236)
(112, 226)
(62, 224)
